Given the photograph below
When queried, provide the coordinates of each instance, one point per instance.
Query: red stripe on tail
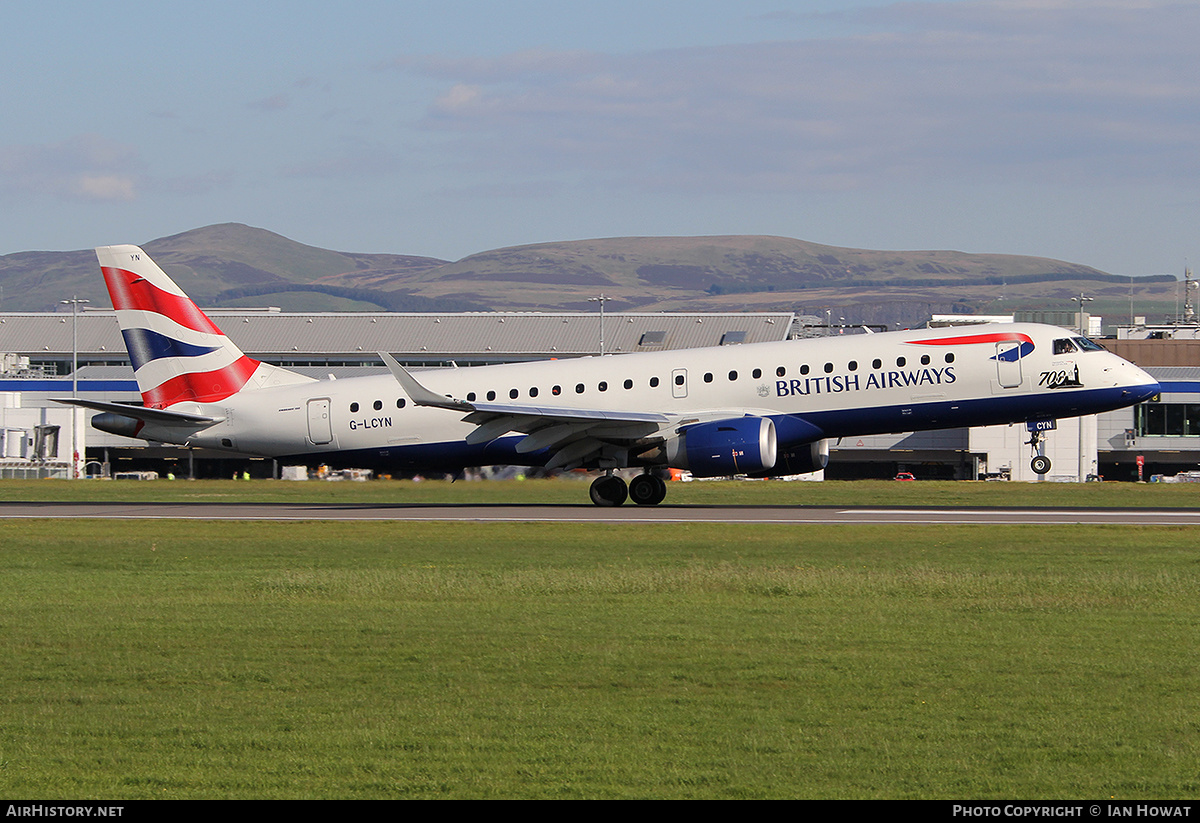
(201, 387)
(128, 291)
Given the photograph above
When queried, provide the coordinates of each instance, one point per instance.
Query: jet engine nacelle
(150, 431)
(740, 445)
(117, 424)
(809, 457)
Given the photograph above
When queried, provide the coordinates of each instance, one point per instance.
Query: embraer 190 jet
(762, 409)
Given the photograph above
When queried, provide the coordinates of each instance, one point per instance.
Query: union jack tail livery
(178, 354)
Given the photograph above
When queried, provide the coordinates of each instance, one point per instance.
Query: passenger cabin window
(628, 384)
(353, 408)
(653, 382)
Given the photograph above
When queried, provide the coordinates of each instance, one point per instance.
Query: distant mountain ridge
(232, 264)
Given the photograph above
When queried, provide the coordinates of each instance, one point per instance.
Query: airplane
(759, 409)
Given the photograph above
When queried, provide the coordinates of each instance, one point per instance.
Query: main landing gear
(645, 490)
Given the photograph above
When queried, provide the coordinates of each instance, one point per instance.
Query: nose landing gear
(1040, 462)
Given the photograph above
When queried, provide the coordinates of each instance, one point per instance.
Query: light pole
(1081, 299)
(1081, 469)
(74, 303)
(1189, 306)
(602, 299)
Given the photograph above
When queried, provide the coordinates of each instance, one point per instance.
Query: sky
(1059, 128)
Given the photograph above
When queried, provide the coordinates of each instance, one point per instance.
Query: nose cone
(1138, 385)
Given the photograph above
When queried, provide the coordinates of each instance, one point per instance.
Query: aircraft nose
(1141, 386)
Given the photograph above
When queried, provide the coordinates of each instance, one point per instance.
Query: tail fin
(178, 354)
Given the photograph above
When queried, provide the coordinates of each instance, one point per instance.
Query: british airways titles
(834, 383)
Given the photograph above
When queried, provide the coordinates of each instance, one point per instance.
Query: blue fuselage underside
(793, 430)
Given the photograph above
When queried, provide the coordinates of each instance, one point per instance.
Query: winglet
(418, 393)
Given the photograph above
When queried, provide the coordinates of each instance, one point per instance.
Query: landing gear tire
(647, 490)
(608, 491)
(1040, 464)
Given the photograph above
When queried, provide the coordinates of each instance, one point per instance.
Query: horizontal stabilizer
(159, 416)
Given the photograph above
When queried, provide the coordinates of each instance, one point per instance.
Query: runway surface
(501, 513)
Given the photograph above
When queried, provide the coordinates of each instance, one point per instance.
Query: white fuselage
(812, 388)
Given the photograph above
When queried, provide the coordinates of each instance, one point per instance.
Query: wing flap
(574, 453)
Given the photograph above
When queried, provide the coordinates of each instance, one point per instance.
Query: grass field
(446, 660)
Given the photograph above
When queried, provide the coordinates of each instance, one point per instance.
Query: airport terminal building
(39, 437)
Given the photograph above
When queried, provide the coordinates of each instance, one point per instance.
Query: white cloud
(105, 187)
(461, 96)
(87, 167)
(1005, 89)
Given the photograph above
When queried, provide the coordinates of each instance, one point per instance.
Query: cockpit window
(1063, 346)
(1087, 345)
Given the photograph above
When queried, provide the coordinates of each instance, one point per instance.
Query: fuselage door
(320, 430)
(679, 383)
(1008, 364)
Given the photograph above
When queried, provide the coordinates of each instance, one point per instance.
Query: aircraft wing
(161, 416)
(574, 435)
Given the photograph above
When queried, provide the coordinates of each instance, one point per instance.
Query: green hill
(232, 264)
(226, 265)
